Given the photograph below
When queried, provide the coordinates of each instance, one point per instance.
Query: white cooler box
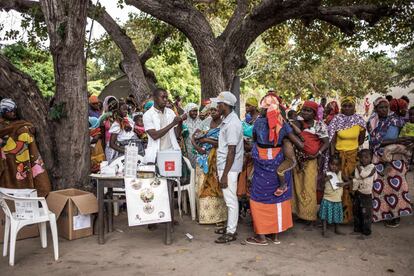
(169, 163)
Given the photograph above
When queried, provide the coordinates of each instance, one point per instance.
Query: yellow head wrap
(252, 101)
(348, 99)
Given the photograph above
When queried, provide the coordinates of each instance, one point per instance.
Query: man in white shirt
(230, 154)
(162, 126)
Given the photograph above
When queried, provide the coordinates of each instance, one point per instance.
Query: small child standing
(362, 185)
(330, 211)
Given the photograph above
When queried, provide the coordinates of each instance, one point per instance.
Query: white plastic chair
(14, 224)
(190, 188)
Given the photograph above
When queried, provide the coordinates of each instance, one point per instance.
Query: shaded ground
(137, 251)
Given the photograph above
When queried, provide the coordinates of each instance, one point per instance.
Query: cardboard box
(23, 210)
(73, 209)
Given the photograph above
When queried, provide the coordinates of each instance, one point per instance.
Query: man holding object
(229, 162)
(162, 125)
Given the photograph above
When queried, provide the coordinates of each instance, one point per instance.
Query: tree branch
(238, 15)
(156, 42)
(269, 13)
(369, 13)
(23, 6)
(345, 25)
(131, 63)
(180, 14)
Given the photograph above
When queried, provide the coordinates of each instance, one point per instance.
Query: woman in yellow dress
(21, 166)
(347, 133)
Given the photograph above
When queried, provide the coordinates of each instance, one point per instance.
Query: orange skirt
(271, 218)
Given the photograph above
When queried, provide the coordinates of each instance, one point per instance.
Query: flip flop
(255, 241)
(273, 241)
(280, 191)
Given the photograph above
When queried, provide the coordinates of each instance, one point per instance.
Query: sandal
(220, 231)
(280, 191)
(274, 241)
(255, 241)
(226, 238)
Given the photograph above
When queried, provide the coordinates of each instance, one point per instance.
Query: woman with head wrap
(399, 107)
(252, 114)
(330, 111)
(148, 105)
(271, 213)
(316, 142)
(204, 113)
(21, 166)
(390, 190)
(110, 105)
(192, 123)
(122, 132)
(97, 151)
(212, 208)
(94, 107)
(252, 111)
(347, 133)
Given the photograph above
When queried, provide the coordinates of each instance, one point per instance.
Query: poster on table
(147, 201)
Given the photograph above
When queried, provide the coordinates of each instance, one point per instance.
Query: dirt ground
(138, 251)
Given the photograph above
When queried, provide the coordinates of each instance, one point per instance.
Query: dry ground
(137, 251)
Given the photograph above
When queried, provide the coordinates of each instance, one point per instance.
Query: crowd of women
(315, 165)
(309, 160)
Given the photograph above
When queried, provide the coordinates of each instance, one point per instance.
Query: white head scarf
(106, 103)
(7, 105)
(189, 107)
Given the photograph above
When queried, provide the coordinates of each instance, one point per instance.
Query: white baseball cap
(225, 97)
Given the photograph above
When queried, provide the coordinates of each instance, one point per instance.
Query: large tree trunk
(211, 69)
(217, 69)
(66, 22)
(22, 89)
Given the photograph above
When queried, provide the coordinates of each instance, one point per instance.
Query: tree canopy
(35, 62)
(405, 67)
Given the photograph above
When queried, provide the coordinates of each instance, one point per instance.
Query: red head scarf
(312, 105)
(398, 104)
(334, 109)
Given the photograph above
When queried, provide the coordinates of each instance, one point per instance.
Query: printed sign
(147, 201)
(81, 222)
(169, 166)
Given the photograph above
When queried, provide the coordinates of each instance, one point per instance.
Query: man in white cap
(229, 161)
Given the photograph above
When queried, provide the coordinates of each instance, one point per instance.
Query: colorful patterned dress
(21, 166)
(390, 190)
(271, 214)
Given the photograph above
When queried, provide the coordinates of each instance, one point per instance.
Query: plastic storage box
(169, 163)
